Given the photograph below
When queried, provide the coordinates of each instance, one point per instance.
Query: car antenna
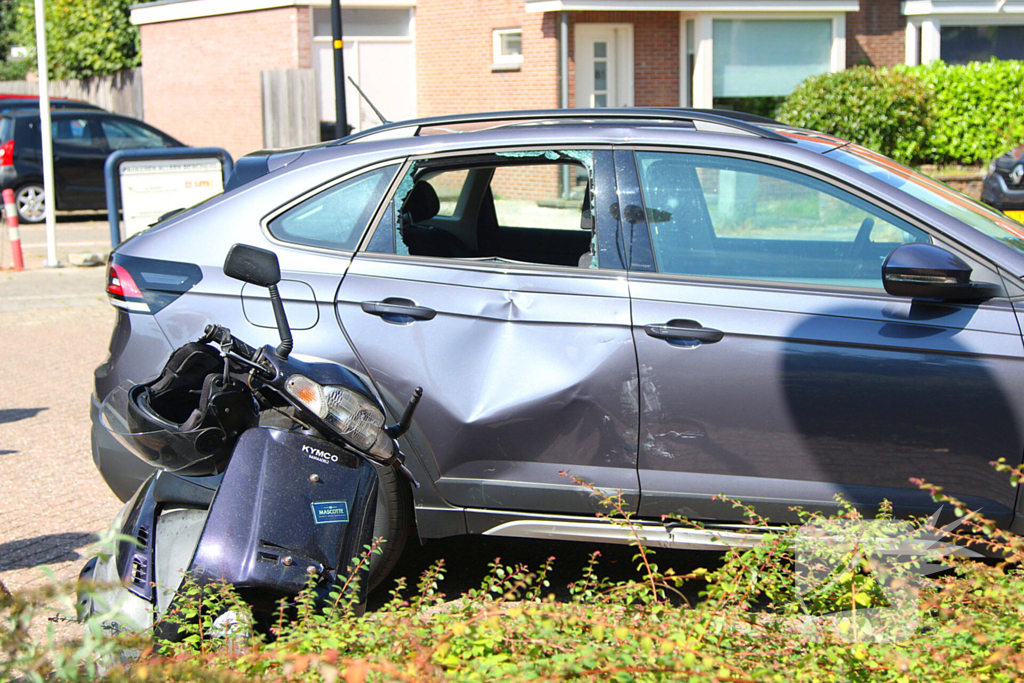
(375, 110)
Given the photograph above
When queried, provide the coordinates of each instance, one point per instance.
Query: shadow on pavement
(82, 217)
(49, 549)
(16, 414)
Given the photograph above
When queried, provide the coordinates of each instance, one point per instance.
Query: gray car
(672, 304)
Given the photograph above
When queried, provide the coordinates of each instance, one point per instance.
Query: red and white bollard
(12, 227)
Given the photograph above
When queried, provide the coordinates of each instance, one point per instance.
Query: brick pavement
(55, 325)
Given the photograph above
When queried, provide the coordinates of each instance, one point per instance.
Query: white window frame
(702, 87)
(925, 19)
(503, 61)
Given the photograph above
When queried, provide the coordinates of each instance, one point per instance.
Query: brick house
(202, 58)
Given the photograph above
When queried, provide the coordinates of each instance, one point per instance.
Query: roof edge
(177, 10)
(725, 6)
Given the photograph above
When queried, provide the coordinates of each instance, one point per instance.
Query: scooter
(266, 476)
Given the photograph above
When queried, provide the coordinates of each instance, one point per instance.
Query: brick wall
(204, 85)
(655, 54)
(454, 52)
(875, 35)
(454, 55)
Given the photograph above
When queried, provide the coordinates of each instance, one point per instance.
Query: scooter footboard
(290, 506)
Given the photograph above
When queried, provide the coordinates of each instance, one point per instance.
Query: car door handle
(398, 307)
(684, 330)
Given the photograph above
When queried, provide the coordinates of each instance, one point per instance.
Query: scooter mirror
(253, 265)
(260, 267)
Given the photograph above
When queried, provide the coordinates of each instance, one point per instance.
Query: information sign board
(152, 187)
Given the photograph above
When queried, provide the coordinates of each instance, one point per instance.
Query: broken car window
(527, 207)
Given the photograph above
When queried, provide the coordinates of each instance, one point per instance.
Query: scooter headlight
(352, 416)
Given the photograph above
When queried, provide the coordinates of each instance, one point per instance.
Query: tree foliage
(7, 27)
(83, 37)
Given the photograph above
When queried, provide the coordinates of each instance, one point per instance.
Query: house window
(758, 62)
(963, 44)
(508, 48)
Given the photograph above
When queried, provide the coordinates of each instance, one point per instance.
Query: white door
(604, 65)
(384, 69)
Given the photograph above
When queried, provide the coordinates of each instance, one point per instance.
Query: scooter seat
(170, 489)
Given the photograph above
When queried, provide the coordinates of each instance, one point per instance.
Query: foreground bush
(753, 623)
(932, 114)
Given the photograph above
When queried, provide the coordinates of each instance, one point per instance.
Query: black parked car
(82, 141)
(1004, 184)
(12, 102)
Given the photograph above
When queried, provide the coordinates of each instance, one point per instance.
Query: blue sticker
(330, 512)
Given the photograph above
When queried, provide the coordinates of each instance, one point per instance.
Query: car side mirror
(926, 271)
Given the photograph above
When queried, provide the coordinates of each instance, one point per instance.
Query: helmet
(187, 419)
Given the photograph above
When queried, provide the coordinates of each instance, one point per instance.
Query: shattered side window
(513, 207)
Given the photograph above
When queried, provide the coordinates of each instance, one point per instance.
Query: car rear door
(775, 369)
(79, 152)
(513, 315)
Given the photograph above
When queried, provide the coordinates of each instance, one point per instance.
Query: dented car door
(528, 368)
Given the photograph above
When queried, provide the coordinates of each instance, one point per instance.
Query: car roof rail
(712, 120)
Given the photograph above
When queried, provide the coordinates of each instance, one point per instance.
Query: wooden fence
(120, 93)
(290, 108)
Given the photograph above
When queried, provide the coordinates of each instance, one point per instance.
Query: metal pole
(563, 86)
(341, 111)
(563, 59)
(44, 125)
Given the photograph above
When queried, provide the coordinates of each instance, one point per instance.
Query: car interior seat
(422, 239)
(587, 223)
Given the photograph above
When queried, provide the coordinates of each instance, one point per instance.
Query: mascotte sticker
(330, 512)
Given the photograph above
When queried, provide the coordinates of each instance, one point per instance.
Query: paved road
(55, 325)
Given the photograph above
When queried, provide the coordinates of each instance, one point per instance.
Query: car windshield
(975, 214)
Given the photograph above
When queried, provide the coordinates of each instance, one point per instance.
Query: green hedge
(932, 114)
(878, 108)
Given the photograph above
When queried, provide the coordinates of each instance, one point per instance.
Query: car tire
(393, 522)
(30, 203)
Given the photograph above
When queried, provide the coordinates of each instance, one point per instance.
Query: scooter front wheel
(393, 523)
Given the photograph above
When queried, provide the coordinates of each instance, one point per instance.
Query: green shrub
(882, 109)
(931, 114)
(977, 110)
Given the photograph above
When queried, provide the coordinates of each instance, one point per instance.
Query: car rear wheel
(393, 522)
(31, 203)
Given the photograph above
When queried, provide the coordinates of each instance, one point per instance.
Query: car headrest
(422, 203)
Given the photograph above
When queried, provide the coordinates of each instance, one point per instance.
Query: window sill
(506, 66)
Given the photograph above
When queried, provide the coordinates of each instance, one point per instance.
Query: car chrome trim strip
(137, 306)
(655, 535)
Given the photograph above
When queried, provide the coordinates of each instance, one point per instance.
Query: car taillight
(7, 153)
(144, 285)
(120, 283)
